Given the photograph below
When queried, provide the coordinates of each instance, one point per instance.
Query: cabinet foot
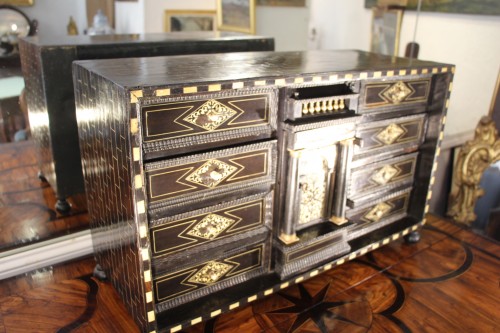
(41, 177)
(412, 237)
(99, 273)
(63, 206)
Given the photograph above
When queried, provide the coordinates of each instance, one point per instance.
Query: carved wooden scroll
(474, 158)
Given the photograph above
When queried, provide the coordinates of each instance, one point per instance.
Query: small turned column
(342, 175)
(288, 235)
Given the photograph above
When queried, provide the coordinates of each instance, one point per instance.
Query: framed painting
(283, 3)
(236, 15)
(482, 7)
(386, 28)
(189, 20)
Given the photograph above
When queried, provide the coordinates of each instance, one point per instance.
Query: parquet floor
(448, 282)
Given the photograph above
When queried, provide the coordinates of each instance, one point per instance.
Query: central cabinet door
(317, 168)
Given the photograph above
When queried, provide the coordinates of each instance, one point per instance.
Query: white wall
(288, 26)
(468, 41)
(53, 15)
(129, 17)
(471, 42)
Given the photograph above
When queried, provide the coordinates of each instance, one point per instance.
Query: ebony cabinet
(216, 180)
(46, 63)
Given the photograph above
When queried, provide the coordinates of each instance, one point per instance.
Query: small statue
(72, 28)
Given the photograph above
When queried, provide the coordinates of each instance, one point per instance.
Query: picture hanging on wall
(189, 20)
(17, 2)
(284, 3)
(236, 15)
(484, 7)
(386, 27)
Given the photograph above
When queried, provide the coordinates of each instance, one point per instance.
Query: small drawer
(315, 101)
(210, 225)
(394, 94)
(381, 209)
(195, 177)
(388, 136)
(382, 175)
(201, 121)
(191, 282)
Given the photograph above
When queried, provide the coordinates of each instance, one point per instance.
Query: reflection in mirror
(14, 24)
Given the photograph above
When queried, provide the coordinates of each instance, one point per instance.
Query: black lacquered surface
(227, 67)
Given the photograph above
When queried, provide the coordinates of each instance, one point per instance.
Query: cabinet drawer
(193, 122)
(210, 174)
(191, 282)
(394, 94)
(382, 175)
(382, 209)
(205, 226)
(391, 135)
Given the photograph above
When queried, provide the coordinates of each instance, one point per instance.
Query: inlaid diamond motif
(383, 175)
(390, 134)
(211, 226)
(210, 273)
(377, 212)
(210, 115)
(397, 92)
(211, 173)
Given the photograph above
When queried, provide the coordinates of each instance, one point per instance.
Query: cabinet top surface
(193, 69)
(50, 41)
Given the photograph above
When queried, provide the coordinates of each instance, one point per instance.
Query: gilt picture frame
(17, 2)
(236, 15)
(189, 20)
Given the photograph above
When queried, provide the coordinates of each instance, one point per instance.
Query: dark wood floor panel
(449, 282)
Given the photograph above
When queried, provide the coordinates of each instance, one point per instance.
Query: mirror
(14, 24)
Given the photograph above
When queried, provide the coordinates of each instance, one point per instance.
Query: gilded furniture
(216, 180)
(46, 63)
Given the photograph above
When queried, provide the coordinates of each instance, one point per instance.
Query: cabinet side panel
(103, 119)
(32, 69)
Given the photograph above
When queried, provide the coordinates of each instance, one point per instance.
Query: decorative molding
(475, 156)
(36, 256)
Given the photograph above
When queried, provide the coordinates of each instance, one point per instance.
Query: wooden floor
(27, 213)
(448, 282)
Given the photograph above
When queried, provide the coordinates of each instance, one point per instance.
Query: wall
(464, 40)
(129, 17)
(53, 15)
(288, 26)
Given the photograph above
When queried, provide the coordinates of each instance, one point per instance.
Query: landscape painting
(481, 7)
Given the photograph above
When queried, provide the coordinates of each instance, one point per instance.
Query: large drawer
(228, 221)
(247, 260)
(212, 174)
(381, 176)
(382, 96)
(387, 136)
(201, 121)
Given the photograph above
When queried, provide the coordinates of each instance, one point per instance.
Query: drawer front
(395, 93)
(390, 135)
(210, 173)
(214, 274)
(377, 176)
(209, 120)
(396, 204)
(185, 231)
